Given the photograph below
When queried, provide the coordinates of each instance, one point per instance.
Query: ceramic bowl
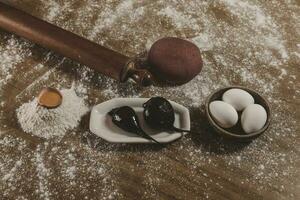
(237, 132)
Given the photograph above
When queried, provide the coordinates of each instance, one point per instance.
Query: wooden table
(250, 43)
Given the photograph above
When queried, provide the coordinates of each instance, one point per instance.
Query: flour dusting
(48, 123)
(12, 53)
(243, 42)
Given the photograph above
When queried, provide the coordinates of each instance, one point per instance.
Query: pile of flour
(48, 123)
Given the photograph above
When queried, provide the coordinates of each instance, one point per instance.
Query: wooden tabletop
(250, 43)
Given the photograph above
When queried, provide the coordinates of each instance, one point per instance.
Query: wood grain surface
(253, 43)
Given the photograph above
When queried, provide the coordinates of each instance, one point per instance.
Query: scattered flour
(107, 20)
(48, 123)
(179, 19)
(42, 173)
(12, 53)
(240, 40)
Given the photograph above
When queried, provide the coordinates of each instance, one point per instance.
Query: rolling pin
(171, 60)
(95, 56)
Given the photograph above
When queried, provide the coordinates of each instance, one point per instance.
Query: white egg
(253, 118)
(223, 113)
(238, 98)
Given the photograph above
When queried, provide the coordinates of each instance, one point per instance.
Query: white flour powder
(241, 40)
(48, 123)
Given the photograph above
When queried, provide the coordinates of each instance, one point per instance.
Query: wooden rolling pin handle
(135, 72)
(68, 44)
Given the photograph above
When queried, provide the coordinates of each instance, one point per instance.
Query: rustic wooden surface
(199, 166)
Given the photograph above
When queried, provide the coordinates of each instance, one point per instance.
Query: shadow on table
(97, 143)
(100, 144)
(204, 136)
